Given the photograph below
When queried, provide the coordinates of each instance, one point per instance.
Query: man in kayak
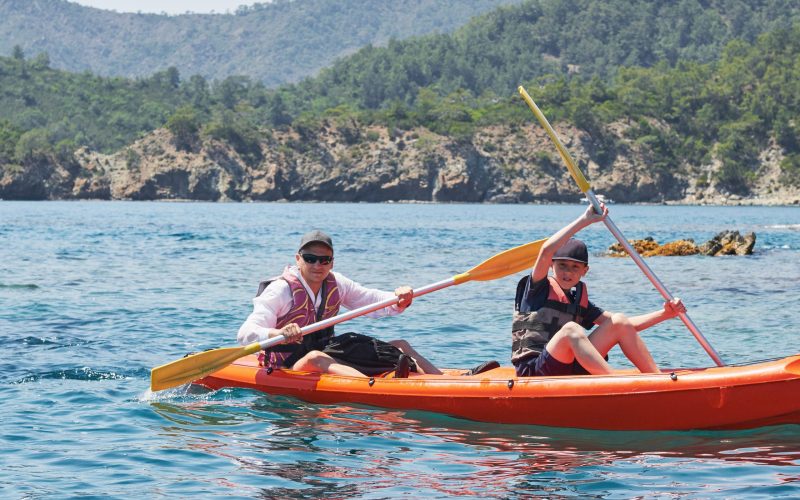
(309, 292)
(550, 318)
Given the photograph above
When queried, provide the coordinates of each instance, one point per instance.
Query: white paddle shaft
(653, 278)
(320, 325)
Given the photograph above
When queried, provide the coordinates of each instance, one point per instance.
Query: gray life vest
(531, 330)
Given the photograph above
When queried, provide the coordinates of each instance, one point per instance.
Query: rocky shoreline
(349, 163)
(724, 243)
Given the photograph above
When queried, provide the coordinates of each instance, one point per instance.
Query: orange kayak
(728, 397)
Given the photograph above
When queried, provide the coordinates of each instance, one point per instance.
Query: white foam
(166, 394)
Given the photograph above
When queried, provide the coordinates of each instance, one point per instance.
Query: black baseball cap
(573, 250)
(316, 236)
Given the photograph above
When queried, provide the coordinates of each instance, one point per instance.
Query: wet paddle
(584, 186)
(198, 365)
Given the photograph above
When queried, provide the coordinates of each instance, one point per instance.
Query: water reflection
(301, 449)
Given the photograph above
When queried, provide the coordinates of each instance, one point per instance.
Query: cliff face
(348, 163)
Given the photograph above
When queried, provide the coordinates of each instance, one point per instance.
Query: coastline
(498, 166)
(673, 203)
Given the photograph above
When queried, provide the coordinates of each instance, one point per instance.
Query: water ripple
(19, 286)
(82, 374)
(94, 295)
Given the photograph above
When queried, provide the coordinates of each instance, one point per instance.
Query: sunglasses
(310, 258)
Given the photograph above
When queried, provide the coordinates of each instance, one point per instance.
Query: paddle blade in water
(196, 366)
(511, 261)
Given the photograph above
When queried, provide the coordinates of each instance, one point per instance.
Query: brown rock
(675, 249)
(642, 247)
(729, 243)
(725, 243)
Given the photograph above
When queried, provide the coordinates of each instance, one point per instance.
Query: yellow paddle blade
(196, 366)
(574, 171)
(511, 261)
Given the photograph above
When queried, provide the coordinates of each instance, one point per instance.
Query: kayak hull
(730, 397)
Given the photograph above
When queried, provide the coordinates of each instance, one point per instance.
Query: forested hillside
(272, 42)
(580, 38)
(715, 123)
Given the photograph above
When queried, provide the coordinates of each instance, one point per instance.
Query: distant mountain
(274, 43)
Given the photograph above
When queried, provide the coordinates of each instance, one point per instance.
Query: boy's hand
(590, 216)
(674, 307)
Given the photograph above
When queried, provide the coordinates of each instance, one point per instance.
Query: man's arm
(355, 295)
(273, 303)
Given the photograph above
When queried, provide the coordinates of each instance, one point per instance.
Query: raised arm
(553, 243)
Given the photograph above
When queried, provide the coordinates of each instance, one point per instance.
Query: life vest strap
(573, 310)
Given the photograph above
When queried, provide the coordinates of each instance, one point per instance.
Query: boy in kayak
(309, 292)
(550, 318)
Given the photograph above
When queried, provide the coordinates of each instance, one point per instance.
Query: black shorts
(545, 365)
(366, 354)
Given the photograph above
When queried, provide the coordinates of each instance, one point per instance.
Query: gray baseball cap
(316, 236)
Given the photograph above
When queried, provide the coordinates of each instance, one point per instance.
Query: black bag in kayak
(366, 354)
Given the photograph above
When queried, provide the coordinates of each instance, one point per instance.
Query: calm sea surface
(94, 294)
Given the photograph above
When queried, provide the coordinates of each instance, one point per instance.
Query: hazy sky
(168, 6)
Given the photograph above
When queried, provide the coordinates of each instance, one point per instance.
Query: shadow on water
(341, 450)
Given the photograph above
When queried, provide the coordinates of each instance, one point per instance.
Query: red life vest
(303, 313)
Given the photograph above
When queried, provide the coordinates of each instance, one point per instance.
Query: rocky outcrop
(348, 162)
(724, 243)
(729, 243)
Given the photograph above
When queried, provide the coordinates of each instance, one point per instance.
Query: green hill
(682, 115)
(277, 42)
(488, 57)
(582, 38)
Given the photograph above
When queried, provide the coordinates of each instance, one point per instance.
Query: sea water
(95, 294)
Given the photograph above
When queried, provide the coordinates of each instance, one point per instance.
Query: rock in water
(724, 243)
(676, 248)
(642, 247)
(648, 247)
(729, 243)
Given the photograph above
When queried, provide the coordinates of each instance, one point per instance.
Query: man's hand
(291, 333)
(405, 294)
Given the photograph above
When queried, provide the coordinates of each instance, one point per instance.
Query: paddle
(198, 365)
(583, 184)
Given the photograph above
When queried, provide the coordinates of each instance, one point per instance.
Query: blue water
(94, 294)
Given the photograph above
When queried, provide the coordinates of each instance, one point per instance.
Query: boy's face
(568, 272)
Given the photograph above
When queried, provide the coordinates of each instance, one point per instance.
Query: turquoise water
(94, 294)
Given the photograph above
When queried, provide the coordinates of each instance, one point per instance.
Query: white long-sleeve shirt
(276, 301)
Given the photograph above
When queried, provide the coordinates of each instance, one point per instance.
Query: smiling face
(568, 272)
(314, 272)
